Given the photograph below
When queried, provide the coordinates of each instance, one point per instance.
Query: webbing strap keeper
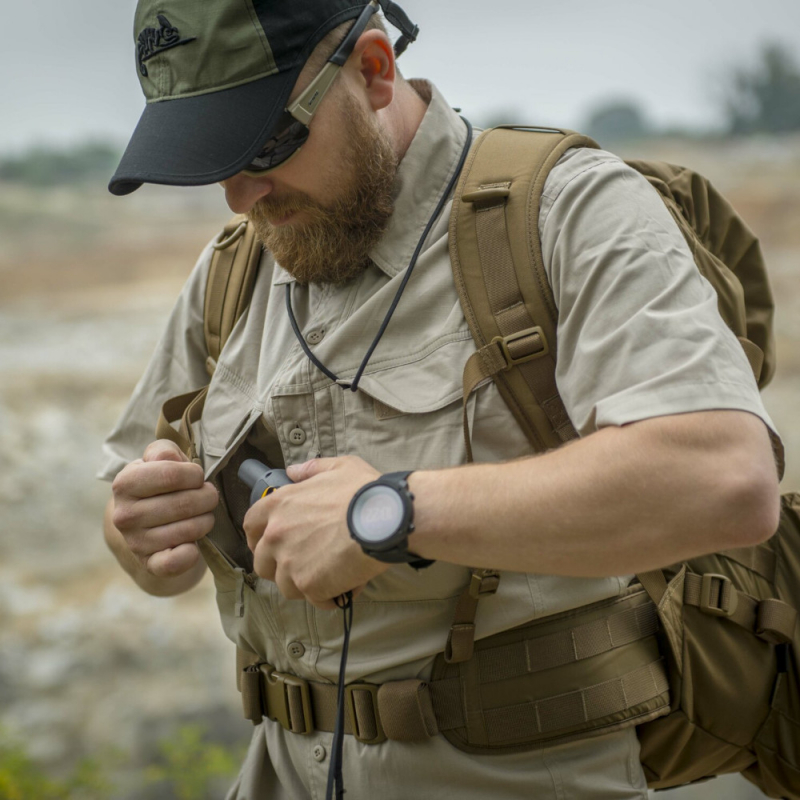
(406, 710)
(250, 686)
(461, 639)
(361, 702)
(775, 621)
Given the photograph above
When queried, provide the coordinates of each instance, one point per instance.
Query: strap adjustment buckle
(718, 597)
(483, 584)
(360, 730)
(513, 343)
(287, 700)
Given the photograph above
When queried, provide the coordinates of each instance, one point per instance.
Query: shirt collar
(422, 178)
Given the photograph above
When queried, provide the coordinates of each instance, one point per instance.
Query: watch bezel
(406, 525)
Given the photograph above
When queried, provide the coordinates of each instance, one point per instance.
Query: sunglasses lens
(282, 146)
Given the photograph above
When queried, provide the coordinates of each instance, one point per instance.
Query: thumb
(164, 450)
(302, 472)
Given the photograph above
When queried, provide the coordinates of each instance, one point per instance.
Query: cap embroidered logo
(152, 41)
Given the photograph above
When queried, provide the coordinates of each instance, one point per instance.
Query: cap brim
(194, 141)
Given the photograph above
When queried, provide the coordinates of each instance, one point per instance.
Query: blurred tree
(48, 166)
(764, 97)
(617, 120)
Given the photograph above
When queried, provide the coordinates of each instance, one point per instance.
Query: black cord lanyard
(353, 385)
(335, 777)
(345, 602)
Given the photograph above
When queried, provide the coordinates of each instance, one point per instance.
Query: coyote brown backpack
(728, 626)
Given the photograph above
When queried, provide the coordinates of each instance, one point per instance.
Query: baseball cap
(217, 76)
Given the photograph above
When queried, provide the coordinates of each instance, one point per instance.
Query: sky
(67, 69)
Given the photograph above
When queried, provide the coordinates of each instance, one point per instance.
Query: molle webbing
(514, 700)
(499, 272)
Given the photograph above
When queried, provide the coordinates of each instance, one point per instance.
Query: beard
(334, 245)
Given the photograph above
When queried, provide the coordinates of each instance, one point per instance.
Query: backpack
(727, 625)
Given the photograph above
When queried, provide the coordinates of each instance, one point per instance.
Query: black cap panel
(294, 27)
(168, 145)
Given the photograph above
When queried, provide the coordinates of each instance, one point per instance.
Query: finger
(324, 605)
(149, 479)
(302, 472)
(153, 512)
(286, 586)
(166, 537)
(255, 521)
(264, 565)
(164, 450)
(357, 591)
(169, 563)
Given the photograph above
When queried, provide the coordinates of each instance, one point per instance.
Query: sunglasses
(293, 131)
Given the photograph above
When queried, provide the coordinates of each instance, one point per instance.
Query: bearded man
(347, 365)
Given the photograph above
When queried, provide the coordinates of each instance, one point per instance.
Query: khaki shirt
(639, 336)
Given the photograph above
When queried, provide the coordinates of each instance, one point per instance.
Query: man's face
(327, 208)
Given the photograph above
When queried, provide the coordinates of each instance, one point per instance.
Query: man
(674, 457)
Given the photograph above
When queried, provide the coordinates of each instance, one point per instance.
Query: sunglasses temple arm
(304, 108)
(400, 20)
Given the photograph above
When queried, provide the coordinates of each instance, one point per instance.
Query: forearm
(152, 584)
(618, 502)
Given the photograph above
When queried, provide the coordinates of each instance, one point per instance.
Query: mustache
(269, 208)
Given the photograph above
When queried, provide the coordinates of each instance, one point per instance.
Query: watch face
(377, 514)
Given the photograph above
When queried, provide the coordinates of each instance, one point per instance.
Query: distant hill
(51, 166)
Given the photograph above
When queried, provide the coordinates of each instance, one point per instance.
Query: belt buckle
(349, 701)
(278, 685)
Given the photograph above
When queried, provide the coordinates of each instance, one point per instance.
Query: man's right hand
(161, 507)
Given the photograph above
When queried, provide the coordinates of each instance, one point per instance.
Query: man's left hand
(299, 535)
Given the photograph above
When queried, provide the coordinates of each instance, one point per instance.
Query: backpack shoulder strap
(232, 274)
(499, 273)
(235, 260)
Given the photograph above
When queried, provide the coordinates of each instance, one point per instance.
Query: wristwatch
(380, 517)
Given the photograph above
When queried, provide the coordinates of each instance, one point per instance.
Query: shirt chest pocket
(409, 415)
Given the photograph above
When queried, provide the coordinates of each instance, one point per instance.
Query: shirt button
(315, 337)
(297, 436)
(296, 650)
(319, 753)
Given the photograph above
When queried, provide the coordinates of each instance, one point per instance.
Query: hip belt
(585, 672)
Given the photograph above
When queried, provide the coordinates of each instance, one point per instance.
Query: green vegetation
(48, 166)
(22, 779)
(190, 766)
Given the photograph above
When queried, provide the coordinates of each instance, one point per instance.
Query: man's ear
(374, 57)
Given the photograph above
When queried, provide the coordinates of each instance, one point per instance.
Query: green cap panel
(186, 47)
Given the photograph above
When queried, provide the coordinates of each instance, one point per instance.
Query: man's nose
(242, 192)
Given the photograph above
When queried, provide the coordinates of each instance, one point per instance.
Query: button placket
(294, 418)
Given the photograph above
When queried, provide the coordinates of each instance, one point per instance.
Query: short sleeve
(639, 331)
(176, 367)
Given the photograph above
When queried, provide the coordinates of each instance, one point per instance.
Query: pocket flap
(228, 415)
(430, 380)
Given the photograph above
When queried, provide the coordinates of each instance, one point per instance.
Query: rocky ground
(87, 662)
